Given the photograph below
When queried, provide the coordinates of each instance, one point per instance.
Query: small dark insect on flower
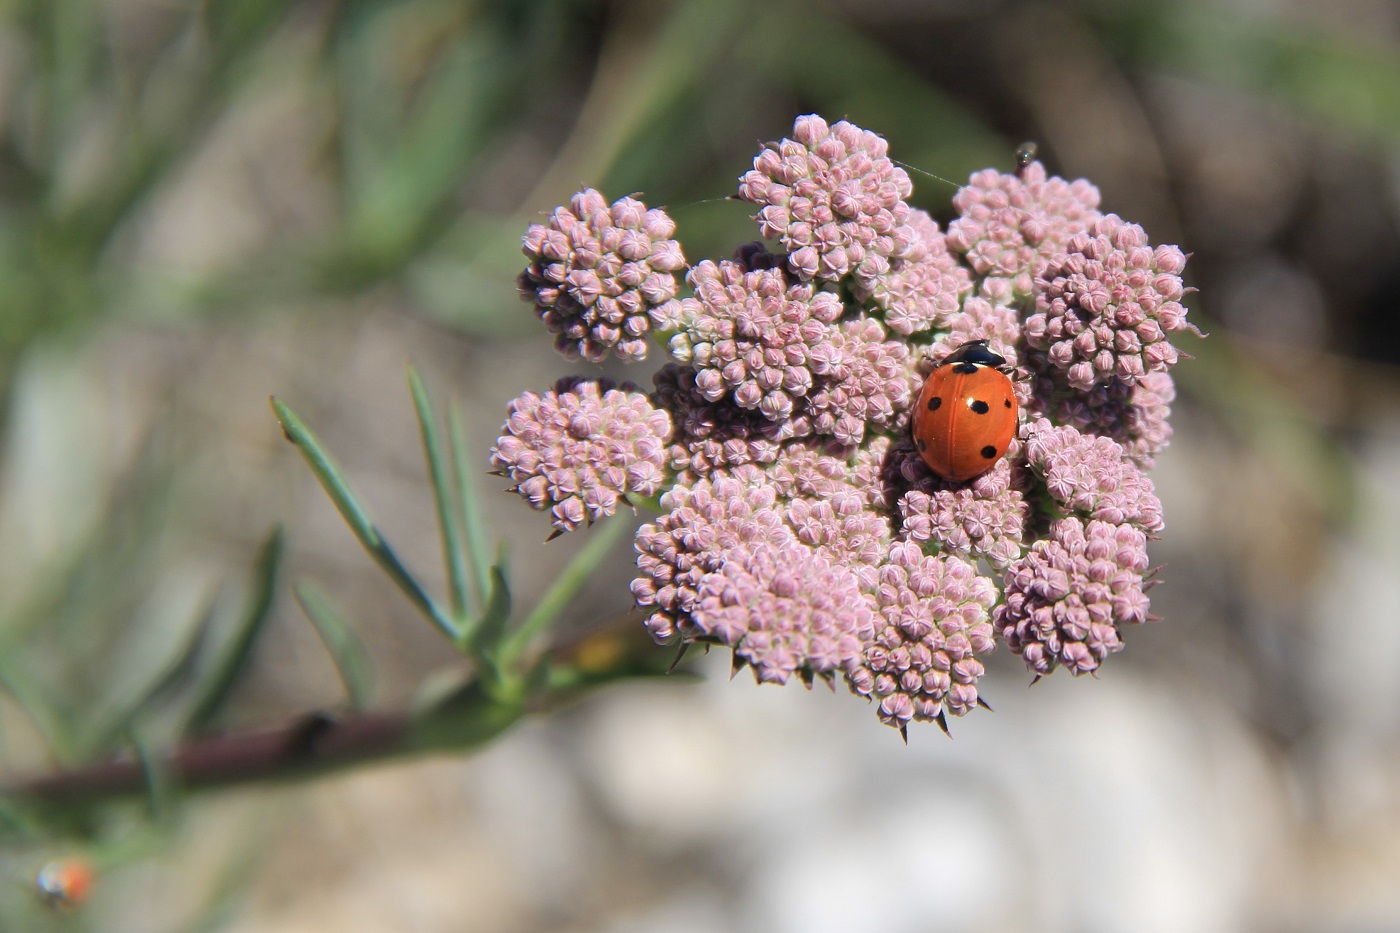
(798, 524)
(1025, 155)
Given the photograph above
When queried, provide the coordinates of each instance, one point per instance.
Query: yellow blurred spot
(599, 653)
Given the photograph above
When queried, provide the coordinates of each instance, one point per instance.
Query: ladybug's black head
(978, 353)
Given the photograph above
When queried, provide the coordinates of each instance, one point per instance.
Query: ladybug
(66, 882)
(966, 414)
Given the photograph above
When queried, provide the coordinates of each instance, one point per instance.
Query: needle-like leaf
(440, 474)
(333, 482)
(232, 660)
(476, 543)
(574, 577)
(347, 651)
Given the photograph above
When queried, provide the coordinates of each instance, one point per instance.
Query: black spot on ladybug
(979, 406)
(934, 402)
(989, 452)
(922, 446)
(965, 369)
(1006, 402)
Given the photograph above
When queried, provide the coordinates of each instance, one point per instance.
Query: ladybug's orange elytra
(966, 414)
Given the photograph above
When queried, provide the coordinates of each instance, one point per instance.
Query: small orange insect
(966, 414)
(66, 882)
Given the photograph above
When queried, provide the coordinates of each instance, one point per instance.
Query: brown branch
(465, 717)
(313, 743)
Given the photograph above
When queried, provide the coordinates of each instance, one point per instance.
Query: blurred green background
(204, 203)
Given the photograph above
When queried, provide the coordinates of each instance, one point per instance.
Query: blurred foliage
(425, 118)
(400, 147)
(1347, 82)
(122, 698)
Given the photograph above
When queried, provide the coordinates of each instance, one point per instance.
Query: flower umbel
(785, 609)
(923, 289)
(1105, 305)
(1133, 415)
(579, 449)
(1091, 476)
(601, 277)
(1009, 226)
(985, 518)
(833, 199)
(754, 338)
(923, 657)
(798, 526)
(1069, 598)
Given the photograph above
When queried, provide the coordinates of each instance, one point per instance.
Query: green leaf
(347, 651)
(329, 476)
(48, 711)
(161, 793)
(171, 673)
(233, 659)
(538, 675)
(17, 822)
(406, 142)
(574, 577)
(442, 494)
(476, 546)
(485, 634)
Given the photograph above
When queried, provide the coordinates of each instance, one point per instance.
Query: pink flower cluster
(727, 563)
(785, 609)
(982, 519)
(1091, 476)
(933, 625)
(1009, 226)
(1105, 305)
(831, 197)
(601, 277)
(766, 344)
(798, 525)
(1068, 600)
(754, 337)
(1133, 415)
(579, 449)
(921, 290)
(709, 435)
(1069, 597)
(872, 385)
